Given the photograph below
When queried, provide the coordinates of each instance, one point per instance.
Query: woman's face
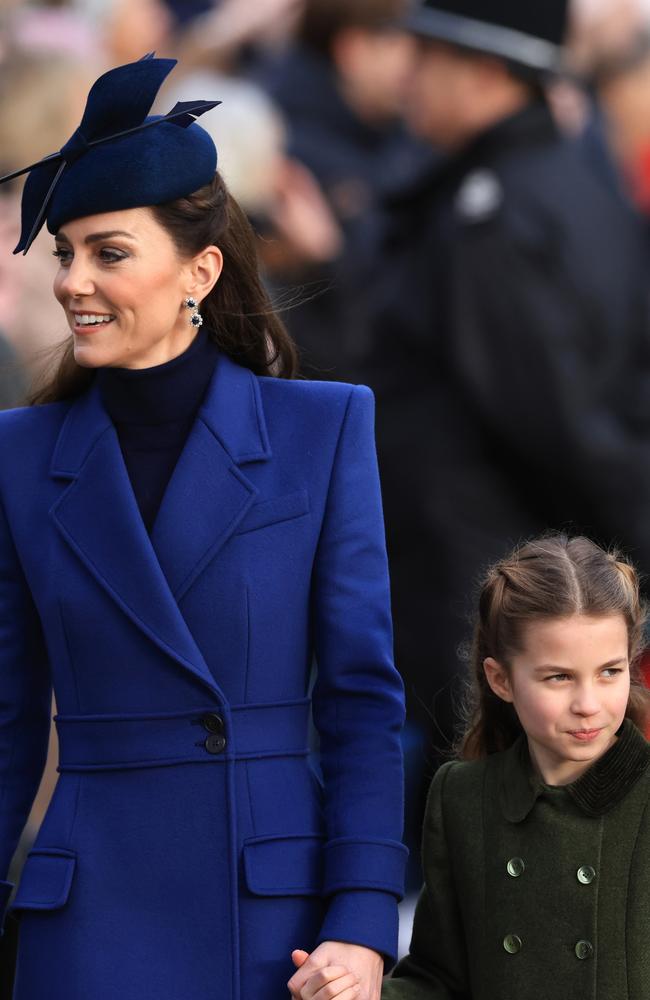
(570, 687)
(122, 285)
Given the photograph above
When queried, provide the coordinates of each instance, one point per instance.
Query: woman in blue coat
(182, 533)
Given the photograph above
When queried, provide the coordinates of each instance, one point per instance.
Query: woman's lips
(83, 326)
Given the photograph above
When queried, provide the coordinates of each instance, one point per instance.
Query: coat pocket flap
(284, 866)
(274, 511)
(45, 881)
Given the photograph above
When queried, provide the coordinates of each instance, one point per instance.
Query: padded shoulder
(312, 400)
(29, 419)
(28, 430)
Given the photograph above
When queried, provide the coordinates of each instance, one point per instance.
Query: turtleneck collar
(165, 393)
(595, 792)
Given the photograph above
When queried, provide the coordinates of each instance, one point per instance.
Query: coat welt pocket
(274, 511)
(45, 880)
(284, 866)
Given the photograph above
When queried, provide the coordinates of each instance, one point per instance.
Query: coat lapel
(208, 494)
(98, 517)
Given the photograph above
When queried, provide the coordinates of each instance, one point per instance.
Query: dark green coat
(534, 892)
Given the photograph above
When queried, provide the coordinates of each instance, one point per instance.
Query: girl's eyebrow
(554, 668)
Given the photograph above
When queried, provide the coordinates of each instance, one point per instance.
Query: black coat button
(213, 723)
(215, 743)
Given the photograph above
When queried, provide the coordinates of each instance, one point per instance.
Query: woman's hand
(326, 970)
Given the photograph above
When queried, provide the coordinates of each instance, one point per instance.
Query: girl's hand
(322, 975)
(334, 981)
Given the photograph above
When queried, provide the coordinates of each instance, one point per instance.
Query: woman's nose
(76, 280)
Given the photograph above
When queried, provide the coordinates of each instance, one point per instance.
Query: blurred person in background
(52, 26)
(233, 36)
(610, 51)
(130, 29)
(509, 352)
(41, 100)
(341, 88)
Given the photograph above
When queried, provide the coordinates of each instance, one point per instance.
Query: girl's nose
(585, 701)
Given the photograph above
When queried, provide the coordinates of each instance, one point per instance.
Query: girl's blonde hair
(550, 577)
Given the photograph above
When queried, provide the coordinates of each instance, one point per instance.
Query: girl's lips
(585, 735)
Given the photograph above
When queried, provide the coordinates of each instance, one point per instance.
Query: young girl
(536, 846)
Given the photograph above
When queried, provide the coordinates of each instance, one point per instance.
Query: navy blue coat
(189, 845)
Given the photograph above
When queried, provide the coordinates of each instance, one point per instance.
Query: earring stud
(196, 319)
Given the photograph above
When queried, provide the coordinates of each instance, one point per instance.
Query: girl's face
(570, 687)
(122, 286)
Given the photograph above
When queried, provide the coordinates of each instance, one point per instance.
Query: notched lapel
(209, 495)
(204, 502)
(99, 518)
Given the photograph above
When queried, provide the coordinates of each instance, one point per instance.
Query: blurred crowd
(469, 237)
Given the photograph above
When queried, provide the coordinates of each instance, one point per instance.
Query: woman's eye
(110, 256)
(62, 255)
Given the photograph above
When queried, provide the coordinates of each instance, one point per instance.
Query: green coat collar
(595, 792)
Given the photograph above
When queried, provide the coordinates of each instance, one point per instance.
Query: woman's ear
(498, 678)
(206, 270)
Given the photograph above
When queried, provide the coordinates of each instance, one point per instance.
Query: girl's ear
(498, 678)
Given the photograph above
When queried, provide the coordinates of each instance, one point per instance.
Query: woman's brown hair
(550, 577)
(238, 312)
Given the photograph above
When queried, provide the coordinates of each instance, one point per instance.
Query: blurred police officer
(509, 336)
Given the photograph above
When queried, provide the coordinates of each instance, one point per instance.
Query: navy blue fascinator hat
(118, 157)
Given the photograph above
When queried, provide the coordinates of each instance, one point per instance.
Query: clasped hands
(337, 970)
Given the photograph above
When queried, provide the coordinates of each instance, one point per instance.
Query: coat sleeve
(25, 704)
(436, 966)
(358, 697)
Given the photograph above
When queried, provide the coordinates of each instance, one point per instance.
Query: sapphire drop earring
(196, 319)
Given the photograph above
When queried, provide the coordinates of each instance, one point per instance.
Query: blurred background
(468, 237)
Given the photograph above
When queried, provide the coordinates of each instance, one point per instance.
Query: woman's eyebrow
(94, 237)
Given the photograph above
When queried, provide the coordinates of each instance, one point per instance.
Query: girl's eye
(557, 677)
(612, 671)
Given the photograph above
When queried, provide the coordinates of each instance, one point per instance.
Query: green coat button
(516, 867)
(586, 874)
(584, 949)
(512, 943)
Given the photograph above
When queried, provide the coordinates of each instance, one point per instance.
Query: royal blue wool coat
(189, 845)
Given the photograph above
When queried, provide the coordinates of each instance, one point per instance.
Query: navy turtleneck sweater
(153, 410)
